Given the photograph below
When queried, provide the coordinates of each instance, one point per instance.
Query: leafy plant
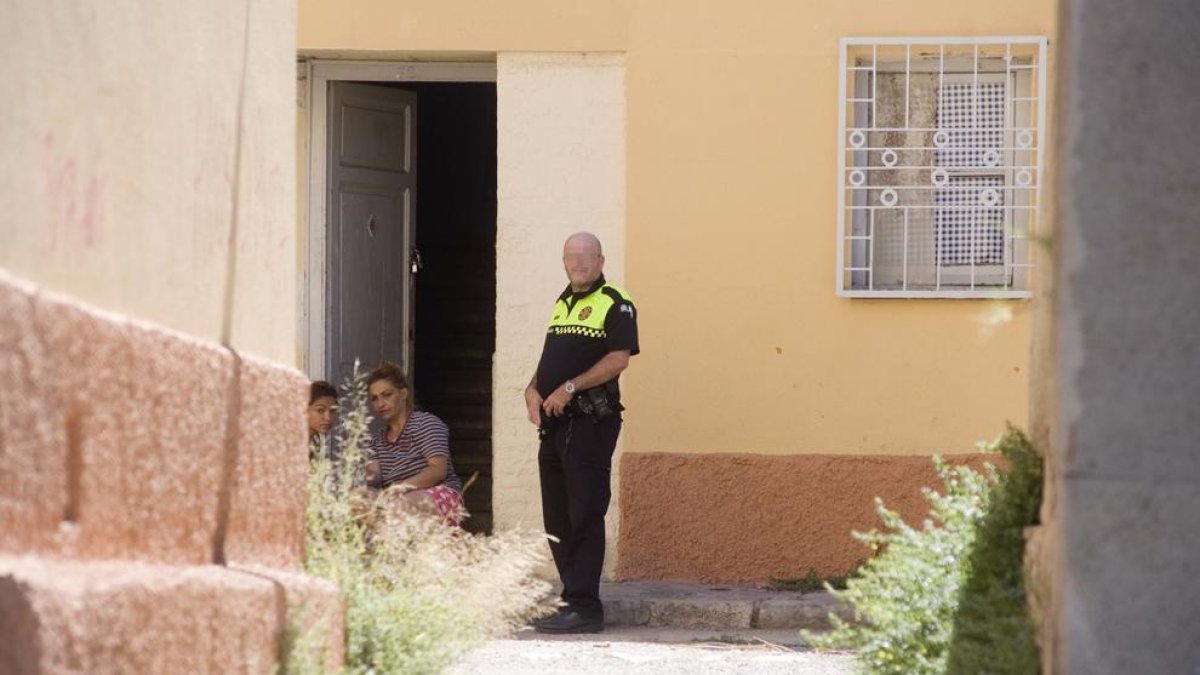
(812, 581)
(949, 596)
(417, 593)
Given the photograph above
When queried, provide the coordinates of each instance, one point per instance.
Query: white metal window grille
(940, 156)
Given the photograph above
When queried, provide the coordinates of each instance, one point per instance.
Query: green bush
(416, 592)
(949, 596)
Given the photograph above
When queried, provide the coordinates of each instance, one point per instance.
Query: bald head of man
(583, 260)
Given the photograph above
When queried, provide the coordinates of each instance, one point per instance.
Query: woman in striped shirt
(410, 457)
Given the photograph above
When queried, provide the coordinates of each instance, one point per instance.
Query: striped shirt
(424, 436)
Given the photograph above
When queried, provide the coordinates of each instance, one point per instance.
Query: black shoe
(569, 621)
(543, 619)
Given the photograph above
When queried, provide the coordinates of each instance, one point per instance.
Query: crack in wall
(233, 409)
(74, 468)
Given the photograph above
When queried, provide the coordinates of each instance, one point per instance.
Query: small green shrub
(993, 630)
(949, 596)
(812, 581)
(416, 592)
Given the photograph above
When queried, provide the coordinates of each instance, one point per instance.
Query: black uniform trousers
(575, 464)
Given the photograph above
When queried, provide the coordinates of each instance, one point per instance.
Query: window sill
(942, 294)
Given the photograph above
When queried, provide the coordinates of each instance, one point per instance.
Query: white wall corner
(561, 169)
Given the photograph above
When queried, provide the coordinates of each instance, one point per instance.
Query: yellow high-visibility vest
(586, 316)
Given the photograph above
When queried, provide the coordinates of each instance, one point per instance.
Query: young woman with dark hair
(322, 408)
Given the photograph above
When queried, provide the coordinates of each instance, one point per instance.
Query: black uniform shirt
(583, 329)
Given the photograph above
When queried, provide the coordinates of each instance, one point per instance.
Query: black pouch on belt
(601, 402)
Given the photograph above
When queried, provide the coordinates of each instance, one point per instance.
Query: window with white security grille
(940, 166)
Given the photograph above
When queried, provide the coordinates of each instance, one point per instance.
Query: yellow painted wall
(731, 220)
(732, 133)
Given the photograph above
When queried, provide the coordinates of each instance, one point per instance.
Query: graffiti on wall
(75, 197)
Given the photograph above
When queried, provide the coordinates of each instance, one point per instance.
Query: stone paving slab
(653, 651)
(665, 604)
(732, 637)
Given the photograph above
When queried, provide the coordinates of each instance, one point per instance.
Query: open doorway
(402, 261)
(455, 298)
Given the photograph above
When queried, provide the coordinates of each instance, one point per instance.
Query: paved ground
(671, 628)
(652, 651)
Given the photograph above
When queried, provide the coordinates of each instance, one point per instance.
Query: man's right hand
(533, 406)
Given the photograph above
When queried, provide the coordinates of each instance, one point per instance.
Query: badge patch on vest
(585, 313)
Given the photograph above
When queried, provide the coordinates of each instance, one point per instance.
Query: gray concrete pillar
(1128, 250)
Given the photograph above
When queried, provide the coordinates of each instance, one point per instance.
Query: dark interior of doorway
(455, 307)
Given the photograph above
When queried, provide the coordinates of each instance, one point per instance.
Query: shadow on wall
(19, 626)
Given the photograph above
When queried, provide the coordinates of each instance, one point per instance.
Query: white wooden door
(371, 224)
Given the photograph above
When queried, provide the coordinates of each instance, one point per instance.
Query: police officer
(575, 402)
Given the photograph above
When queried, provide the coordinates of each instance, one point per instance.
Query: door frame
(315, 75)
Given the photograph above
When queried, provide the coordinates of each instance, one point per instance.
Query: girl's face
(387, 400)
(320, 415)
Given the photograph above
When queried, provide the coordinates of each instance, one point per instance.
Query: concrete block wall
(112, 448)
(134, 133)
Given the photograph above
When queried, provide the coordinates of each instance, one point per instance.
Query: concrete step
(665, 604)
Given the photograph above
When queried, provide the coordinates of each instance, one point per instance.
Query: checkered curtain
(969, 222)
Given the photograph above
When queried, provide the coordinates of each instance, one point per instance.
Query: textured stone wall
(752, 518)
(112, 457)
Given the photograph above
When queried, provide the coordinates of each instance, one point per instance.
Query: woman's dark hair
(389, 371)
(321, 389)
